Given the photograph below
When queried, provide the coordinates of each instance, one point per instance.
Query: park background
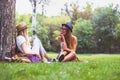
(96, 25)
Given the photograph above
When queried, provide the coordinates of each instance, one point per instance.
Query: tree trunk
(34, 5)
(33, 2)
(7, 27)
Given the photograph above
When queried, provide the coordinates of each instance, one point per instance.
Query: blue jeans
(37, 46)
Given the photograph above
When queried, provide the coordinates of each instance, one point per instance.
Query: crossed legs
(65, 56)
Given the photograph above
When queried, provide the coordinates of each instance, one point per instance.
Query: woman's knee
(73, 53)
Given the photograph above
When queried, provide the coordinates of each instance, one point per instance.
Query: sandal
(61, 57)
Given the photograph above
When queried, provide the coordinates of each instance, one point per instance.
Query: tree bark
(7, 27)
(33, 2)
(34, 7)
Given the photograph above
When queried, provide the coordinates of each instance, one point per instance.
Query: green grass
(99, 67)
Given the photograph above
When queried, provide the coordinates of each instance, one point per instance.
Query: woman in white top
(24, 45)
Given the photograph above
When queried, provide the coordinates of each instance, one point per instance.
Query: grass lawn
(99, 67)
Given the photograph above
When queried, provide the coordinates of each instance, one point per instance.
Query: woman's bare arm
(74, 46)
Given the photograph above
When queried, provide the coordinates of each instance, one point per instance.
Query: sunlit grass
(99, 67)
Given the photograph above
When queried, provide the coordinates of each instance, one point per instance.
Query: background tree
(72, 10)
(34, 7)
(97, 30)
(7, 27)
(83, 30)
(87, 13)
(104, 24)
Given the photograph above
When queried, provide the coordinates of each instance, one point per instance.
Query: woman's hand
(25, 33)
(62, 37)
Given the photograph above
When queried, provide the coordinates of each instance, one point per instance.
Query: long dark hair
(69, 38)
(17, 34)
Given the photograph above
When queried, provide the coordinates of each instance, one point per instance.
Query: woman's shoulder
(74, 37)
(20, 37)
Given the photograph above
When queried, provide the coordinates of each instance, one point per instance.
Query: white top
(19, 40)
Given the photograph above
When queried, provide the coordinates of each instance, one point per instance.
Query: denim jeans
(37, 46)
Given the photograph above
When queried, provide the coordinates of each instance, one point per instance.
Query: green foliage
(104, 23)
(99, 67)
(97, 31)
(87, 13)
(84, 31)
(117, 28)
(56, 34)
